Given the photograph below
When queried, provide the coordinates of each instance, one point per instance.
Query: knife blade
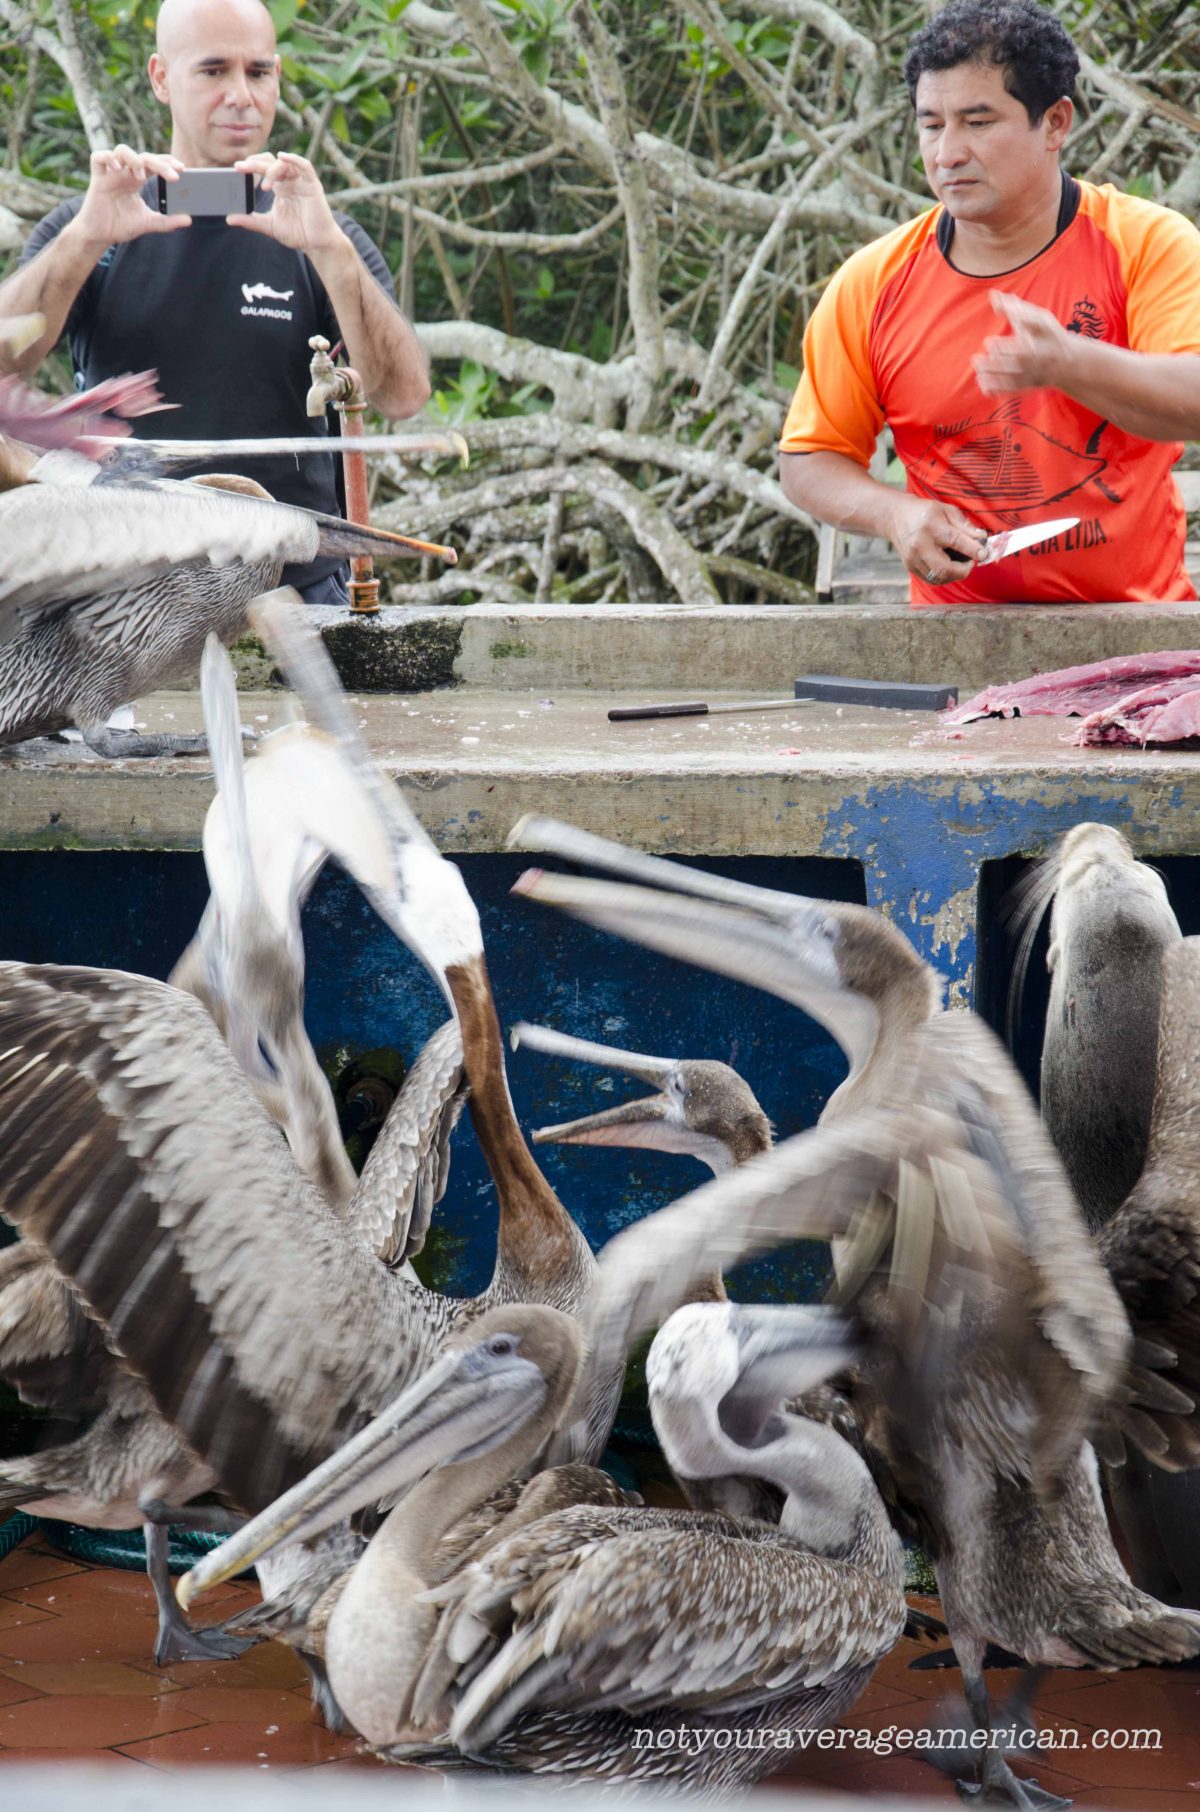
(1014, 541)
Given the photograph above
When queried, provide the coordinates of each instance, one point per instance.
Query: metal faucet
(340, 387)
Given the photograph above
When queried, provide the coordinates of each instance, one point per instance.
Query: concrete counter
(920, 810)
(726, 648)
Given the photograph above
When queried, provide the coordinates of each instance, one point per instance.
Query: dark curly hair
(1039, 61)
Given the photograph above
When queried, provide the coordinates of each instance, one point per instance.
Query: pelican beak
(464, 1405)
(640, 1123)
(783, 1352)
(583, 1050)
(632, 1123)
(787, 949)
(552, 837)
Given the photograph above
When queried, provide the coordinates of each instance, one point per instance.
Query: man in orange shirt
(1033, 343)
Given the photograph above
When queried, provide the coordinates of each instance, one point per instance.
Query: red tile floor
(77, 1680)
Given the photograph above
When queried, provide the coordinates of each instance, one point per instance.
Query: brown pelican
(246, 966)
(705, 1110)
(1119, 1098)
(265, 1361)
(109, 591)
(612, 1643)
(1001, 1343)
(700, 1108)
(541, 1255)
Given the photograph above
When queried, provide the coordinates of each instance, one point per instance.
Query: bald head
(215, 67)
(179, 20)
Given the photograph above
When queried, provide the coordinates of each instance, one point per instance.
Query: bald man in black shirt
(223, 309)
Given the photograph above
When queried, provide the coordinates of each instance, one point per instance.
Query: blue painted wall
(137, 910)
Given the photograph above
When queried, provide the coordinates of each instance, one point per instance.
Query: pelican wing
(406, 1175)
(638, 1609)
(911, 1208)
(1151, 1246)
(1152, 1251)
(50, 1352)
(63, 544)
(897, 1191)
(981, 1163)
(134, 1153)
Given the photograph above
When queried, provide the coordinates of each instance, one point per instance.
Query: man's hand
(1035, 354)
(301, 217)
(921, 531)
(113, 210)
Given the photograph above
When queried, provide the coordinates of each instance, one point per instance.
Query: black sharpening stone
(899, 695)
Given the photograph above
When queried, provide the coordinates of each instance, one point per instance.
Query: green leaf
(374, 106)
(536, 58)
(545, 282)
(600, 341)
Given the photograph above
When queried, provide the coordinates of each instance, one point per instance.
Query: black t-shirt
(224, 316)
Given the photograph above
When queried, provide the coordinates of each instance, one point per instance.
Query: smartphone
(207, 192)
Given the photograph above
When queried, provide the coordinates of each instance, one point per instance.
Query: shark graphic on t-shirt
(258, 292)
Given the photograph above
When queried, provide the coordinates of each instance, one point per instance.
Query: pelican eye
(500, 1346)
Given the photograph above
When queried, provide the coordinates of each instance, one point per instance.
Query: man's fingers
(963, 544)
(132, 168)
(166, 223)
(1014, 309)
(158, 163)
(253, 223)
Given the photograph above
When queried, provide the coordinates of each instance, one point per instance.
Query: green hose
(14, 1531)
(121, 1547)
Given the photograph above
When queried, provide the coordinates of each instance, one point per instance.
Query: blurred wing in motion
(1151, 1245)
(135, 1155)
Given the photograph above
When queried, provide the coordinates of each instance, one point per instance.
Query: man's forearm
(1155, 395)
(380, 343)
(836, 489)
(48, 286)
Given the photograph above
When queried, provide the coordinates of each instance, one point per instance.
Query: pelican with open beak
(699, 1109)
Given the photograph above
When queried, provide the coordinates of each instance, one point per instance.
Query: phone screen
(207, 192)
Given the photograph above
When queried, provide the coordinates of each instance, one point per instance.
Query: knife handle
(623, 713)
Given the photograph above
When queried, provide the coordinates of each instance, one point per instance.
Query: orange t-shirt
(892, 340)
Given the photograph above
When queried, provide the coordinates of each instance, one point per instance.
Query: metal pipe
(340, 387)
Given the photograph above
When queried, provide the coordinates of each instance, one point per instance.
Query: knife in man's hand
(1014, 541)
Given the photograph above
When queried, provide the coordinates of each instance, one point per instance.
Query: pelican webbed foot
(997, 1782)
(1000, 1784)
(176, 1639)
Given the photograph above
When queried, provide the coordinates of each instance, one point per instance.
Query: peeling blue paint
(922, 848)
